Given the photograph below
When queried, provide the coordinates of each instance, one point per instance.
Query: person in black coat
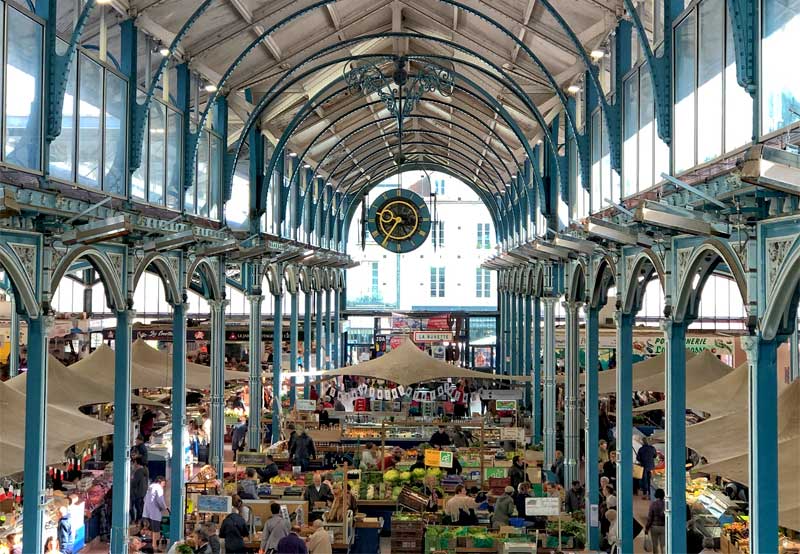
(440, 438)
(140, 480)
(517, 472)
(233, 530)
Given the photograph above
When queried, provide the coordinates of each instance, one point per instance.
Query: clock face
(399, 220)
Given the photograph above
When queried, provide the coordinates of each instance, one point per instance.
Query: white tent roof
(642, 372)
(701, 369)
(407, 365)
(150, 368)
(71, 390)
(726, 394)
(64, 428)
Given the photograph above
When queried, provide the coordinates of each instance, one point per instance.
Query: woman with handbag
(654, 528)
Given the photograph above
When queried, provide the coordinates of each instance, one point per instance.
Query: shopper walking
(238, 435)
(655, 523)
(517, 472)
(646, 457)
(275, 529)
(155, 508)
(64, 533)
(504, 508)
(303, 450)
(233, 530)
(139, 483)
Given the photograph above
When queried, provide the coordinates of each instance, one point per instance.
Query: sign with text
(487, 394)
(210, 504)
(506, 405)
(496, 472)
(512, 434)
(251, 459)
(433, 336)
(306, 405)
(545, 506)
(438, 458)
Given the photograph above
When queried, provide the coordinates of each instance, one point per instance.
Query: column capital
(220, 304)
(749, 344)
(572, 305)
(176, 305)
(48, 322)
(252, 298)
(549, 300)
(131, 313)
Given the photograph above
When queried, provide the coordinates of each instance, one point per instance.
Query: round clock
(399, 220)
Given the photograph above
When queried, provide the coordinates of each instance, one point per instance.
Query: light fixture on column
(217, 248)
(617, 233)
(580, 246)
(678, 219)
(772, 168)
(171, 242)
(99, 231)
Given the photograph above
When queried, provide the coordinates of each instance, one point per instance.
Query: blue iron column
(277, 354)
(178, 460)
(625, 430)
(520, 345)
(592, 427)
(307, 299)
(572, 450)
(526, 335)
(217, 415)
(294, 307)
(256, 392)
(318, 335)
(507, 332)
(512, 351)
(35, 433)
(122, 432)
(675, 334)
(762, 361)
(328, 328)
(13, 353)
(549, 380)
(337, 339)
(536, 379)
(499, 353)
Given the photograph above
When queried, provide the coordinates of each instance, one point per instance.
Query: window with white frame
(483, 283)
(579, 196)
(484, 231)
(439, 235)
(437, 282)
(605, 185)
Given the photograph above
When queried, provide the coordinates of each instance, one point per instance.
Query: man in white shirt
(368, 459)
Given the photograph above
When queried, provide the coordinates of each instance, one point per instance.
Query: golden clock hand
(397, 221)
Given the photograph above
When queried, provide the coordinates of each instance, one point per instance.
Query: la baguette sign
(432, 336)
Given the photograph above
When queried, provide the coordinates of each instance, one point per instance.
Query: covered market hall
(235, 312)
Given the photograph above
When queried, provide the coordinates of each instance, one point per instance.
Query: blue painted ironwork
(610, 112)
(307, 300)
(401, 99)
(35, 433)
(277, 349)
(528, 350)
(293, 307)
(659, 67)
(138, 113)
(744, 18)
(549, 380)
(763, 386)
(572, 451)
(592, 425)
(122, 433)
(625, 430)
(337, 302)
(256, 395)
(14, 336)
(318, 316)
(178, 405)
(217, 443)
(676, 435)
(184, 104)
(328, 328)
(58, 66)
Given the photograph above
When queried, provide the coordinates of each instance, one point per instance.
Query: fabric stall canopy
(150, 369)
(701, 369)
(642, 371)
(198, 376)
(71, 390)
(64, 428)
(726, 394)
(407, 365)
(732, 460)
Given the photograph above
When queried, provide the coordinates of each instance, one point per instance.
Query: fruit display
(283, 480)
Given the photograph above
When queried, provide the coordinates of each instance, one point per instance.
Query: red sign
(439, 323)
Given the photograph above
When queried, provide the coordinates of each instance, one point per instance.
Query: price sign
(306, 405)
(512, 434)
(545, 506)
(495, 473)
(506, 405)
(438, 458)
(251, 459)
(210, 504)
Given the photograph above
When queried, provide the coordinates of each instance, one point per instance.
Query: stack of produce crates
(408, 536)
